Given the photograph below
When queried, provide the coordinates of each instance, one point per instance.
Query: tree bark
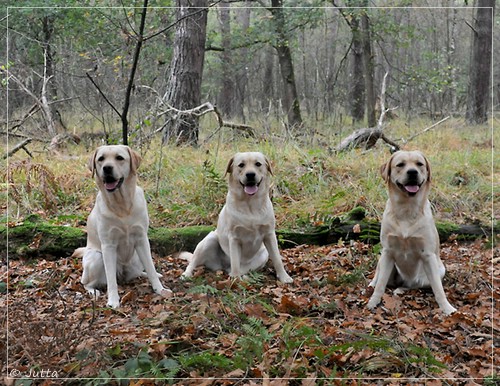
(184, 85)
(368, 69)
(242, 60)
(267, 82)
(480, 69)
(291, 98)
(358, 80)
(227, 87)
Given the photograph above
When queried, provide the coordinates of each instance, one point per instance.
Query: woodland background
(98, 67)
(187, 86)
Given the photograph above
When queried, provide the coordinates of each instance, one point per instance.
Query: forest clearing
(327, 92)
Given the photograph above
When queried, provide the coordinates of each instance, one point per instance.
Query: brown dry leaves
(316, 328)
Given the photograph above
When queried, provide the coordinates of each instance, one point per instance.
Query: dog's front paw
(165, 292)
(113, 303)
(449, 309)
(372, 303)
(285, 278)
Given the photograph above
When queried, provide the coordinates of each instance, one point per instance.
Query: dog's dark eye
(420, 164)
(400, 165)
(119, 158)
(241, 165)
(258, 164)
(100, 159)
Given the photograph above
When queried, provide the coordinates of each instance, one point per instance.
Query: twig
(426, 130)
(103, 95)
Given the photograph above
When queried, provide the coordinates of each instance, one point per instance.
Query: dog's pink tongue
(412, 188)
(111, 185)
(251, 190)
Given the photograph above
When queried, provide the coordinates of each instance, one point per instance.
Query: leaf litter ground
(258, 331)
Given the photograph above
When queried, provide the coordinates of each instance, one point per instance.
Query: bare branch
(103, 95)
(18, 147)
(426, 129)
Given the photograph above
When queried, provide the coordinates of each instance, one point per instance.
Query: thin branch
(103, 95)
(426, 129)
(126, 103)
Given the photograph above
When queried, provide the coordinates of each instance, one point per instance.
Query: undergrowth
(309, 181)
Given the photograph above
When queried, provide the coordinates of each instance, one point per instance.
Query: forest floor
(215, 331)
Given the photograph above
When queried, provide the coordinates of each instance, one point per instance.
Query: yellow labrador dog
(117, 241)
(409, 238)
(245, 237)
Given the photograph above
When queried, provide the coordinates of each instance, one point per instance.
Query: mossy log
(35, 238)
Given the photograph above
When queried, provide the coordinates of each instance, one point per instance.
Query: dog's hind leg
(208, 253)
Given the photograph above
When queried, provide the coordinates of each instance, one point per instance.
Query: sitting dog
(245, 237)
(409, 238)
(117, 240)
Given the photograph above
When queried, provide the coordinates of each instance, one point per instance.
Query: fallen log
(35, 238)
(19, 146)
(366, 138)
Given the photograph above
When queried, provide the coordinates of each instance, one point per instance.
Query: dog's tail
(185, 256)
(78, 253)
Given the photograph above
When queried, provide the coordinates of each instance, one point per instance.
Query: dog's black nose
(250, 176)
(107, 169)
(412, 172)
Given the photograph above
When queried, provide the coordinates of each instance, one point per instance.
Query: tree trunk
(291, 100)
(49, 89)
(358, 80)
(184, 85)
(480, 69)
(227, 89)
(368, 69)
(241, 67)
(267, 82)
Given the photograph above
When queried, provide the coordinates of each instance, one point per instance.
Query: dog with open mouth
(118, 247)
(245, 237)
(409, 238)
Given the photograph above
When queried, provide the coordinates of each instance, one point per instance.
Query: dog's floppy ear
(135, 160)
(91, 162)
(385, 170)
(428, 167)
(268, 166)
(229, 167)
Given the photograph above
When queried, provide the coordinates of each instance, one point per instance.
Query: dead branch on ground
(19, 146)
(425, 130)
(174, 115)
(368, 137)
